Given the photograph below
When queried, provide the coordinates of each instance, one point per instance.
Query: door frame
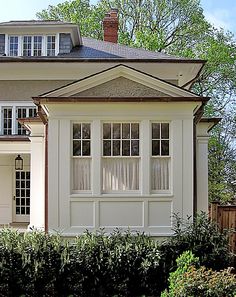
(18, 218)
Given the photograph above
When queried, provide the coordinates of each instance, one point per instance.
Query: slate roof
(97, 49)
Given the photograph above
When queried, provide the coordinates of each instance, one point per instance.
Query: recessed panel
(82, 214)
(121, 214)
(159, 214)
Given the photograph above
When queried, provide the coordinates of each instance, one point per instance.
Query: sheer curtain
(81, 174)
(160, 174)
(120, 174)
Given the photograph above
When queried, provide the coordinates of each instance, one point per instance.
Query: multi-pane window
(7, 121)
(120, 164)
(160, 173)
(81, 156)
(51, 45)
(22, 193)
(37, 49)
(24, 112)
(32, 45)
(13, 46)
(27, 45)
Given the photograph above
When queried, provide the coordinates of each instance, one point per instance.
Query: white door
(21, 211)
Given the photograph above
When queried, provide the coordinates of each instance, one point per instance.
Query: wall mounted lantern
(18, 163)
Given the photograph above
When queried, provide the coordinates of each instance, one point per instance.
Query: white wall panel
(121, 214)
(159, 214)
(82, 214)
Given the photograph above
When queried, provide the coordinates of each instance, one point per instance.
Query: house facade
(110, 136)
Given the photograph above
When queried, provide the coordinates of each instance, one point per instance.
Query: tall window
(81, 157)
(13, 46)
(27, 44)
(120, 164)
(38, 43)
(51, 45)
(7, 121)
(160, 169)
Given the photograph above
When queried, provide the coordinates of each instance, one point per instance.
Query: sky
(221, 13)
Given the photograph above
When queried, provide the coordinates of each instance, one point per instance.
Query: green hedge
(38, 264)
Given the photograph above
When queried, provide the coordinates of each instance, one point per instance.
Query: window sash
(81, 174)
(7, 120)
(160, 173)
(120, 174)
(13, 46)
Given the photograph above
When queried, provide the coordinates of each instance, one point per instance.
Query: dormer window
(13, 46)
(32, 45)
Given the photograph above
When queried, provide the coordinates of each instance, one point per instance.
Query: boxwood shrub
(190, 280)
(38, 264)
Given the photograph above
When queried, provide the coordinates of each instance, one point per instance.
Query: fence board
(225, 216)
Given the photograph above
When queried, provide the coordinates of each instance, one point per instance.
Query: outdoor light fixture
(18, 163)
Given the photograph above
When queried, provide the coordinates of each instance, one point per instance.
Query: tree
(176, 27)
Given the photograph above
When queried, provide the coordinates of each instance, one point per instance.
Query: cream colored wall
(73, 213)
(19, 90)
(7, 179)
(202, 166)
(180, 72)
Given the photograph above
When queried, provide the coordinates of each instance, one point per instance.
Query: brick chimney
(110, 26)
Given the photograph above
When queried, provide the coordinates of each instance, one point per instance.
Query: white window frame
(120, 192)
(13, 106)
(21, 41)
(18, 47)
(74, 191)
(28, 108)
(167, 157)
(145, 157)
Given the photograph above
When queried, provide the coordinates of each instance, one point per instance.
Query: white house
(118, 140)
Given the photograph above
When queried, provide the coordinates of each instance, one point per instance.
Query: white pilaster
(37, 186)
(202, 173)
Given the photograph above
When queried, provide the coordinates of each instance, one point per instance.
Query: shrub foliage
(37, 264)
(121, 264)
(190, 280)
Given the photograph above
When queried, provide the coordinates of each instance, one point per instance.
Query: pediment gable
(121, 87)
(119, 81)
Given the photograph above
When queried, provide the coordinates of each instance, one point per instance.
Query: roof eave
(48, 100)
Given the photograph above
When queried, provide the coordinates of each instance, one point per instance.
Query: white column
(202, 173)
(37, 185)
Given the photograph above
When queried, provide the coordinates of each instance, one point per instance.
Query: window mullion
(96, 153)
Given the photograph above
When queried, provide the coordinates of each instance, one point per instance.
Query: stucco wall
(129, 89)
(24, 90)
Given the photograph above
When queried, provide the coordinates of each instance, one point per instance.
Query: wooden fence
(225, 216)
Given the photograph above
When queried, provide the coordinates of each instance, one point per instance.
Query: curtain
(120, 174)
(81, 174)
(160, 173)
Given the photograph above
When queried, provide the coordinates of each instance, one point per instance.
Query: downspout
(196, 119)
(46, 178)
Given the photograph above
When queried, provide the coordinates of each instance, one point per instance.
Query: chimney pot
(110, 26)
